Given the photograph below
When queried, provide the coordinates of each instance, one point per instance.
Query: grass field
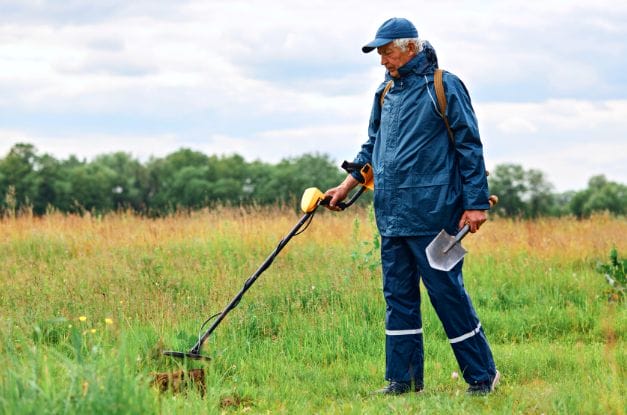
(87, 304)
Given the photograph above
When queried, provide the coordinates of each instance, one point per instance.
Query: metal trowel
(445, 251)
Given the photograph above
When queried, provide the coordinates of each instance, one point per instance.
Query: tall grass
(88, 304)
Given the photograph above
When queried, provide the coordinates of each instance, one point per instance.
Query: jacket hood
(426, 62)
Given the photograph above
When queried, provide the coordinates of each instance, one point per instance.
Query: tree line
(528, 194)
(188, 180)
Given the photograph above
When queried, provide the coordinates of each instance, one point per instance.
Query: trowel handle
(458, 237)
(493, 199)
(462, 232)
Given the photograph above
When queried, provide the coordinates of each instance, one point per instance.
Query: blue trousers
(404, 262)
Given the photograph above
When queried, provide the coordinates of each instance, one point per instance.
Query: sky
(274, 79)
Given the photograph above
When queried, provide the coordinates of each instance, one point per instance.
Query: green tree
(65, 199)
(18, 170)
(523, 193)
(290, 177)
(166, 188)
(601, 195)
(50, 189)
(92, 187)
(231, 179)
(190, 187)
(561, 203)
(130, 182)
(539, 195)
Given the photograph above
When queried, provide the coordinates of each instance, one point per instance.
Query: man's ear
(413, 49)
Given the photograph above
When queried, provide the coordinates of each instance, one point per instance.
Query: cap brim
(378, 42)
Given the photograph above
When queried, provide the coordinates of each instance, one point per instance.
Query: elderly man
(424, 182)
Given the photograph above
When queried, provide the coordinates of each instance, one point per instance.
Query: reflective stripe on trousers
(402, 332)
(466, 336)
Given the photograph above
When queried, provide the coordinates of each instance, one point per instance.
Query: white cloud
(565, 115)
(570, 140)
(279, 78)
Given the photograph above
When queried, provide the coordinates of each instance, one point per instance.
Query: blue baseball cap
(394, 28)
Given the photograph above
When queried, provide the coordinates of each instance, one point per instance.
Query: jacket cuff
(477, 200)
(357, 175)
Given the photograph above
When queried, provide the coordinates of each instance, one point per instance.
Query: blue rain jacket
(423, 182)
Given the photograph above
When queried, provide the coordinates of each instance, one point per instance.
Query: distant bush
(183, 180)
(614, 272)
(190, 180)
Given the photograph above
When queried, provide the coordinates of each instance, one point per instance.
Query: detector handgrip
(343, 205)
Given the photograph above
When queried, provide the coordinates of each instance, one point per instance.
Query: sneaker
(395, 388)
(484, 388)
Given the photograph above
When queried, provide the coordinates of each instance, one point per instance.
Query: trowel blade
(444, 261)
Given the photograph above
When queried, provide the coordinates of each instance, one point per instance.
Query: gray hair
(403, 43)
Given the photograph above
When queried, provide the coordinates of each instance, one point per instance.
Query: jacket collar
(426, 62)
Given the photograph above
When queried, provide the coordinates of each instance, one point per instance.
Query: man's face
(392, 57)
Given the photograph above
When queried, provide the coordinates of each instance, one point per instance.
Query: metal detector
(312, 198)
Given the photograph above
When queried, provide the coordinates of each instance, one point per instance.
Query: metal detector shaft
(312, 199)
(249, 282)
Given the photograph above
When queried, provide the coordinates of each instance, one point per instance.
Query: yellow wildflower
(82, 318)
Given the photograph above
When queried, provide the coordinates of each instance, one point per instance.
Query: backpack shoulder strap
(441, 96)
(385, 91)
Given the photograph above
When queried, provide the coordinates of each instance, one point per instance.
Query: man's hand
(474, 218)
(340, 192)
